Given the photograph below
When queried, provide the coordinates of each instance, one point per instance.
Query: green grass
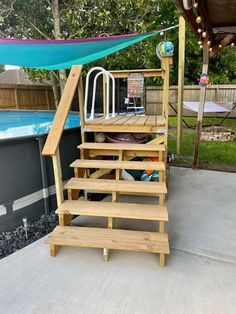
(210, 152)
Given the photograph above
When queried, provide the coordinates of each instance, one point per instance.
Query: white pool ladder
(108, 77)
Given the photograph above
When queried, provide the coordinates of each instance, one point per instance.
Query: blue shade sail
(62, 54)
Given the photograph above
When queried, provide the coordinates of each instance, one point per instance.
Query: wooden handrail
(59, 121)
(146, 72)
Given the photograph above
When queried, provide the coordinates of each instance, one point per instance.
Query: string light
(232, 44)
(199, 42)
(201, 46)
(195, 5)
(209, 43)
(220, 46)
(204, 34)
(210, 49)
(198, 20)
(199, 30)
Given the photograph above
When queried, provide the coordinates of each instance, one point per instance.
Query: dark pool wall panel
(21, 177)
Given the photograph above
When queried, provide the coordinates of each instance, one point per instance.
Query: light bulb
(220, 46)
(209, 43)
(199, 42)
(232, 44)
(210, 49)
(201, 46)
(204, 34)
(199, 30)
(195, 5)
(198, 19)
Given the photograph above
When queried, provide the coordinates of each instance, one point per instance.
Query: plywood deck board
(96, 121)
(141, 120)
(151, 121)
(116, 164)
(121, 121)
(115, 210)
(131, 121)
(116, 239)
(104, 185)
(113, 120)
(160, 120)
(123, 146)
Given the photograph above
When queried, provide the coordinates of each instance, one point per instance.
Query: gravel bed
(15, 240)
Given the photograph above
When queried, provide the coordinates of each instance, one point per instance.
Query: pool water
(23, 123)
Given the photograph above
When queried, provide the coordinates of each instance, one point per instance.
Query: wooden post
(16, 98)
(47, 99)
(180, 84)
(166, 62)
(162, 259)
(201, 105)
(81, 107)
(58, 177)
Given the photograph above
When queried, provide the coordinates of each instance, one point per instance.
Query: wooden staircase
(97, 160)
(100, 167)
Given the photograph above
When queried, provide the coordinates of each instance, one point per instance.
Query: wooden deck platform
(128, 123)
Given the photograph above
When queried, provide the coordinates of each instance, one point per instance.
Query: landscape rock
(15, 240)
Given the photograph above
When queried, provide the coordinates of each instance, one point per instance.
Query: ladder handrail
(108, 77)
(55, 133)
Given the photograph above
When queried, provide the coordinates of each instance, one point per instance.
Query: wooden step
(123, 146)
(104, 185)
(139, 241)
(116, 164)
(114, 210)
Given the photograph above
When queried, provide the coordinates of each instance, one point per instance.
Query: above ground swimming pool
(27, 180)
(23, 123)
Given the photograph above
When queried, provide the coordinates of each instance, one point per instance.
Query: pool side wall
(21, 186)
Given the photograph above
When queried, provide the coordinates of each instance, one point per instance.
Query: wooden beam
(59, 121)
(180, 84)
(201, 105)
(81, 107)
(225, 41)
(166, 62)
(146, 72)
(58, 177)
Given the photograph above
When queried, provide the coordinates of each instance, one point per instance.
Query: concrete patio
(200, 275)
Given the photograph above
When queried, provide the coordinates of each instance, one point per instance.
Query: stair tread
(105, 185)
(123, 146)
(116, 164)
(110, 238)
(115, 210)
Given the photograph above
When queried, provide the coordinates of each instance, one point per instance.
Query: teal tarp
(62, 54)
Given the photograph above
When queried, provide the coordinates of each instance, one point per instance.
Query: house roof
(17, 76)
(218, 19)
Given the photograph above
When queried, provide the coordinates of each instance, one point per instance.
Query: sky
(11, 67)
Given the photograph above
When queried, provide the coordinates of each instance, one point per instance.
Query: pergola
(214, 22)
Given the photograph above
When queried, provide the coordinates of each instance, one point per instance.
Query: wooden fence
(28, 97)
(32, 97)
(222, 94)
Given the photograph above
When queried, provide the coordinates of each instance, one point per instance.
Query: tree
(2, 69)
(93, 18)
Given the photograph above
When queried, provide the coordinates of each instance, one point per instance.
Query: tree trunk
(57, 35)
(55, 88)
